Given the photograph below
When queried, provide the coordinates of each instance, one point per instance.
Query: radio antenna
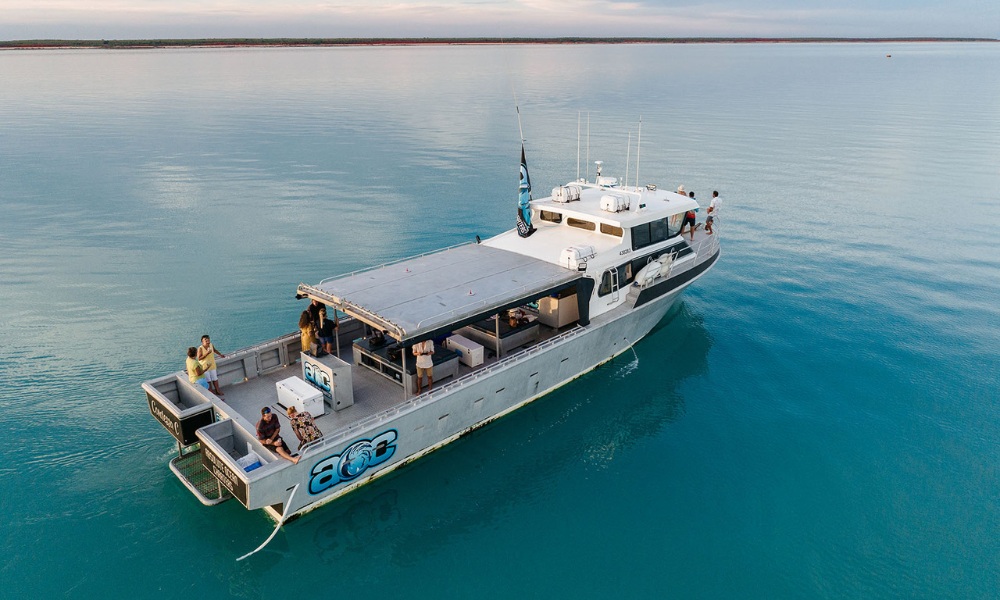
(638, 147)
(628, 154)
(578, 145)
(513, 92)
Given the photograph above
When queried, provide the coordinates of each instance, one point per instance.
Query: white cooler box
(304, 397)
(469, 353)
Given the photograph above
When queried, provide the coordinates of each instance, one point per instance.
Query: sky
(143, 19)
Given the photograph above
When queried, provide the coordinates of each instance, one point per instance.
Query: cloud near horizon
(133, 19)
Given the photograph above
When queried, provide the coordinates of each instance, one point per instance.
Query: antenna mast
(518, 110)
(638, 146)
(577, 145)
(628, 153)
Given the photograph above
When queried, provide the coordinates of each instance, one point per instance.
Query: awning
(428, 295)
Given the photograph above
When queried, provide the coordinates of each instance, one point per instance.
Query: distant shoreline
(339, 42)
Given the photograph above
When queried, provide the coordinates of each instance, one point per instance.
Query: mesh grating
(190, 468)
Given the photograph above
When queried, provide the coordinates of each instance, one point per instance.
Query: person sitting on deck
(303, 425)
(516, 317)
(268, 429)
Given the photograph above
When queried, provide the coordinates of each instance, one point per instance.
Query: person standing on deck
(424, 351)
(713, 211)
(303, 425)
(326, 329)
(314, 309)
(206, 356)
(308, 328)
(689, 221)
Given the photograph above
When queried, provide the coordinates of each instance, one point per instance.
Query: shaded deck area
(374, 393)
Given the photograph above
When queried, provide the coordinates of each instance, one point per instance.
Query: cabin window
(588, 225)
(605, 288)
(552, 217)
(640, 236)
(674, 225)
(656, 231)
(626, 273)
(611, 230)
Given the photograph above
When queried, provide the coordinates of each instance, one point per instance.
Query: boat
(586, 273)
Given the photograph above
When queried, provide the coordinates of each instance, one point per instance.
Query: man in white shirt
(713, 211)
(424, 351)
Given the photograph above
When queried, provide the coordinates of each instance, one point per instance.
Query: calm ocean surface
(817, 419)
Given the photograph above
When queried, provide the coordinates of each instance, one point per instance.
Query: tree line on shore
(241, 42)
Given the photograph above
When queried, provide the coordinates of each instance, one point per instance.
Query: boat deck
(374, 393)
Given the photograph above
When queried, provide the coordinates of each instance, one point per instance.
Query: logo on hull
(352, 462)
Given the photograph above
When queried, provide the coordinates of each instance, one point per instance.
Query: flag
(524, 228)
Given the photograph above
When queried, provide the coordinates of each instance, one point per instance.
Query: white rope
(275, 532)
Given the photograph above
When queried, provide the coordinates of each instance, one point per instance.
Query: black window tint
(605, 288)
(675, 223)
(658, 231)
(640, 236)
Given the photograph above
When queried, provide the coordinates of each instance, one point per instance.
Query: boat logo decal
(352, 462)
(317, 376)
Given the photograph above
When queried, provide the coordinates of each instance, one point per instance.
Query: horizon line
(429, 40)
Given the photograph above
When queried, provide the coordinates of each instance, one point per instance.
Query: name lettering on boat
(172, 423)
(226, 476)
(352, 462)
(624, 252)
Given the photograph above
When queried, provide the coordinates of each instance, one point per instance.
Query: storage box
(614, 202)
(558, 312)
(470, 353)
(249, 462)
(566, 193)
(304, 397)
(576, 257)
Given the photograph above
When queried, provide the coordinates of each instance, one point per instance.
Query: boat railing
(706, 246)
(392, 262)
(703, 248)
(259, 359)
(338, 435)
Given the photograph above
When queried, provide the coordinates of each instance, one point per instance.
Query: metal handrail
(339, 434)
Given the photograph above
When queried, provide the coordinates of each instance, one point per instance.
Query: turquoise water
(817, 418)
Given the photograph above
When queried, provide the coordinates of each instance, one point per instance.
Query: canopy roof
(420, 297)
